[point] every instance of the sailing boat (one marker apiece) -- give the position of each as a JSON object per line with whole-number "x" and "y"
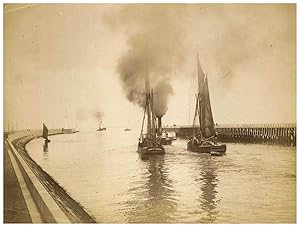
{"x": 204, "y": 138}
{"x": 100, "y": 127}
{"x": 149, "y": 143}
{"x": 45, "y": 134}
{"x": 127, "y": 129}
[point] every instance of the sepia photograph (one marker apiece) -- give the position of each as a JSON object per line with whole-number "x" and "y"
{"x": 149, "y": 113}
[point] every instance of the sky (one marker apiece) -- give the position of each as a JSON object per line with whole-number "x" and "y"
{"x": 72, "y": 65}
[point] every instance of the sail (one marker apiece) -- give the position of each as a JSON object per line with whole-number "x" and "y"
{"x": 207, "y": 122}
{"x": 45, "y": 132}
{"x": 200, "y": 87}
{"x": 200, "y": 77}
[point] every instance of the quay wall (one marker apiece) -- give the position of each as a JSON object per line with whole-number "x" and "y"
{"x": 53, "y": 202}
{"x": 284, "y": 134}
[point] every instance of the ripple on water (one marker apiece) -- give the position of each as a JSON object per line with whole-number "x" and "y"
{"x": 252, "y": 183}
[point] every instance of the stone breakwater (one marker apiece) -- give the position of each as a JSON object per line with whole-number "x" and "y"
{"x": 72, "y": 209}
{"x": 283, "y": 134}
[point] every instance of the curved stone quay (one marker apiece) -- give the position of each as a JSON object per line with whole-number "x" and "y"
{"x": 52, "y": 201}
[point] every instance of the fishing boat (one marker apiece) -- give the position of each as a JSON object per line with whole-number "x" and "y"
{"x": 45, "y": 134}
{"x": 100, "y": 127}
{"x": 149, "y": 143}
{"x": 204, "y": 138}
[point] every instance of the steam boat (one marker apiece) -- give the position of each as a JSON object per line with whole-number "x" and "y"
{"x": 162, "y": 134}
{"x": 204, "y": 138}
{"x": 149, "y": 143}
{"x": 100, "y": 127}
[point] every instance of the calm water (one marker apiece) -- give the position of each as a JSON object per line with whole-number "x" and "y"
{"x": 101, "y": 170}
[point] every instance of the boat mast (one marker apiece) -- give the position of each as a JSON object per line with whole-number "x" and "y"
{"x": 152, "y": 115}
{"x": 199, "y": 98}
{"x": 148, "y": 105}
{"x": 141, "y": 134}
{"x": 196, "y": 111}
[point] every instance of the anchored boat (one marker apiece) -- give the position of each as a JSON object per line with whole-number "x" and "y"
{"x": 204, "y": 138}
{"x": 149, "y": 143}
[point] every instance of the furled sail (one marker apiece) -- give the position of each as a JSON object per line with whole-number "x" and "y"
{"x": 151, "y": 120}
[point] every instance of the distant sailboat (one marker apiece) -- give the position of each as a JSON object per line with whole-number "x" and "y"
{"x": 204, "y": 137}
{"x": 127, "y": 129}
{"x": 45, "y": 134}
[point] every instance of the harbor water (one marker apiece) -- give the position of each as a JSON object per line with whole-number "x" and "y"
{"x": 252, "y": 183}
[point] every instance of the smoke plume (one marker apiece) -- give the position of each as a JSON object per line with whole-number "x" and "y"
{"x": 98, "y": 115}
{"x": 155, "y": 49}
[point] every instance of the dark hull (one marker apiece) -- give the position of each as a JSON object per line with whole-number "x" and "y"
{"x": 101, "y": 129}
{"x": 149, "y": 151}
{"x": 215, "y": 149}
{"x": 165, "y": 141}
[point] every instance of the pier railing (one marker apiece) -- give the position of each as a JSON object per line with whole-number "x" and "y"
{"x": 284, "y": 134}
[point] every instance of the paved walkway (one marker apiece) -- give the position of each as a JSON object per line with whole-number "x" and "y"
{"x": 15, "y": 208}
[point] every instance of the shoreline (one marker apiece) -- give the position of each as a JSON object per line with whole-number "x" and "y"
{"x": 70, "y": 207}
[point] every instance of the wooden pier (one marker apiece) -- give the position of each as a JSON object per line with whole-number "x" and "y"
{"x": 284, "y": 134}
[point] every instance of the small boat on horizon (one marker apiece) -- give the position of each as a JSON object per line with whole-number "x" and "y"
{"x": 100, "y": 127}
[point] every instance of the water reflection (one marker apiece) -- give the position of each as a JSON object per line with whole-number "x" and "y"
{"x": 45, "y": 150}
{"x": 156, "y": 203}
{"x": 208, "y": 184}
{"x": 180, "y": 187}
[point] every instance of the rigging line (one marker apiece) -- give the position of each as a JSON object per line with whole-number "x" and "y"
{"x": 143, "y": 118}
{"x": 197, "y": 103}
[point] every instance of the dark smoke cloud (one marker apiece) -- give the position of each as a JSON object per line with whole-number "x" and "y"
{"x": 238, "y": 45}
{"x": 160, "y": 98}
{"x": 155, "y": 48}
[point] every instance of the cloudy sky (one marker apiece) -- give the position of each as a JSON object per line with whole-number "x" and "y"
{"x": 72, "y": 64}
